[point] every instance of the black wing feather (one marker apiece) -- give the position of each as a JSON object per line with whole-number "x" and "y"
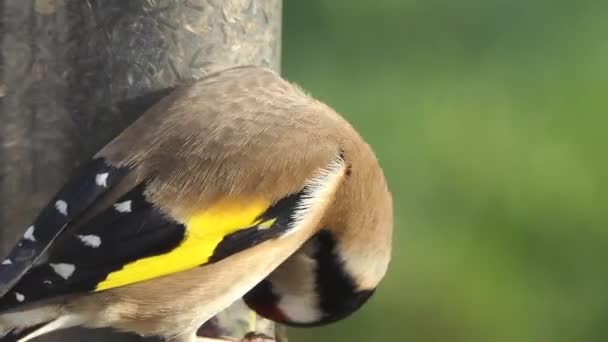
{"x": 130, "y": 230}
{"x": 96, "y": 178}
{"x": 123, "y": 236}
{"x": 281, "y": 211}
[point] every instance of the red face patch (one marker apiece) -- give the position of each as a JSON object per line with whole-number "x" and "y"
{"x": 267, "y": 309}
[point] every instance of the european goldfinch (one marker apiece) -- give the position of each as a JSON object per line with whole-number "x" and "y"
{"x": 237, "y": 185}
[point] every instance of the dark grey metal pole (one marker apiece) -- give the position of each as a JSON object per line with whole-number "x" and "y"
{"x": 74, "y": 73}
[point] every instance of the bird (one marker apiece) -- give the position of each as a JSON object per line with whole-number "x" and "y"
{"x": 236, "y": 185}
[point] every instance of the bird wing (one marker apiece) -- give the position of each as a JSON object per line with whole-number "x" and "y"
{"x": 95, "y": 179}
{"x": 133, "y": 241}
{"x": 229, "y": 180}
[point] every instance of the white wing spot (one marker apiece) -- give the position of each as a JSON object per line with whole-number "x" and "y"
{"x": 29, "y": 233}
{"x": 62, "y": 207}
{"x": 7, "y": 262}
{"x": 47, "y": 282}
{"x": 20, "y": 298}
{"x": 65, "y": 271}
{"x": 123, "y": 207}
{"x": 90, "y": 240}
{"x": 101, "y": 179}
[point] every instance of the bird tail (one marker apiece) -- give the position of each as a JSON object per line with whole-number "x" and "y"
{"x": 15, "y": 335}
{"x": 24, "y": 325}
{"x": 31, "y": 332}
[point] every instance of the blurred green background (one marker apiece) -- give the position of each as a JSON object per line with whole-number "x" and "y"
{"x": 489, "y": 119}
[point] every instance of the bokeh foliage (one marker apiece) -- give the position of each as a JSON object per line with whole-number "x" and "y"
{"x": 489, "y": 118}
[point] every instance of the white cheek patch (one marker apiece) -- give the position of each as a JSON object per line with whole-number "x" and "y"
{"x": 367, "y": 270}
{"x": 300, "y": 309}
{"x": 294, "y": 283}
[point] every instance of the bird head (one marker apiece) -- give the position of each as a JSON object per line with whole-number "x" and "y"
{"x": 339, "y": 267}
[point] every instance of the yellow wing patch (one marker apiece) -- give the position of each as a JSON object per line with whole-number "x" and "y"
{"x": 265, "y": 224}
{"x": 204, "y": 231}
